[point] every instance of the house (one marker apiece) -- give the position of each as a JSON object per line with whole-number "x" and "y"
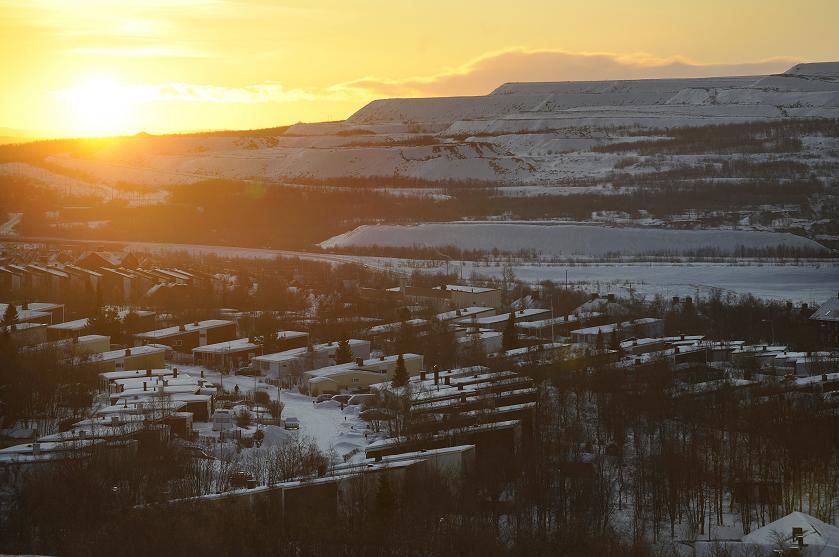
{"x": 464, "y": 313}
{"x": 607, "y": 305}
{"x": 139, "y": 357}
{"x": 499, "y": 322}
{"x": 183, "y": 338}
{"x": 56, "y": 311}
{"x": 26, "y": 334}
{"x": 360, "y": 373}
{"x": 480, "y": 341}
{"x": 26, "y": 315}
{"x": 449, "y": 295}
{"x": 827, "y": 318}
{"x": 283, "y": 365}
{"x": 227, "y": 355}
{"x": 794, "y": 534}
{"x": 558, "y": 326}
{"x": 94, "y": 260}
{"x": 644, "y": 327}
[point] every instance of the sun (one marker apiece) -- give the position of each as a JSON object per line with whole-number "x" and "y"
{"x": 98, "y": 106}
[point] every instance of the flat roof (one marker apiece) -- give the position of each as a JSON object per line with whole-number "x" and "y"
{"x": 188, "y": 327}
{"x": 463, "y": 312}
{"x": 135, "y": 351}
{"x": 236, "y": 345}
{"x": 74, "y": 325}
{"x": 466, "y": 288}
{"x": 493, "y": 319}
{"x": 609, "y": 327}
{"x": 297, "y": 352}
{"x": 366, "y": 365}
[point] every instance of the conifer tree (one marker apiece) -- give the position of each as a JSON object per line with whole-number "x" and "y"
{"x": 400, "y": 374}
{"x": 510, "y": 337}
{"x": 343, "y": 354}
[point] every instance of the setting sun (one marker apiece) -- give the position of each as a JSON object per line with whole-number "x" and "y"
{"x": 98, "y": 106}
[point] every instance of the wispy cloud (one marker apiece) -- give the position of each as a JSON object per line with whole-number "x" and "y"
{"x": 483, "y": 74}
{"x": 268, "y": 92}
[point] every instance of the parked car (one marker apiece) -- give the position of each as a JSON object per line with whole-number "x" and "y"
{"x": 291, "y": 423}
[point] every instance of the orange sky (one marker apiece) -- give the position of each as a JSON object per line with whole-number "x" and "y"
{"x": 92, "y": 67}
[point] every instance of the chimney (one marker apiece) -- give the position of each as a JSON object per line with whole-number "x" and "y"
{"x": 381, "y": 358}
{"x": 145, "y": 386}
{"x": 114, "y": 420}
{"x": 610, "y": 297}
{"x": 824, "y": 377}
{"x": 460, "y": 386}
{"x": 447, "y": 380}
{"x": 127, "y": 351}
{"x": 378, "y": 458}
{"x": 36, "y": 449}
{"x": 175, "y": 372}
{"x": 422, "y": 376}
{"x": 359, "y": 361}
{"x": 182, "y": 327}
{"x": 675, "y": 300}
{"x": 683, "y": 336}
{"x": 202, "y": 373}
{"x": 463, "y": 398}
{"x": 436, "y": 370}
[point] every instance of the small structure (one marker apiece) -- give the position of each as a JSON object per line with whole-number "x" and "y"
{"x": 183, "y": 338}
{"x": 226, "y": 355}
{"x": 361, "y": 373}
{"x": 827, "y": 317}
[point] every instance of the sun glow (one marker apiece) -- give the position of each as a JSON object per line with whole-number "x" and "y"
{"x": 99, "y": 106}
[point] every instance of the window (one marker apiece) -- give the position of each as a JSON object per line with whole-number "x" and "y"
{"x": 178, "y": 343}
{"x": 355, "y": 379}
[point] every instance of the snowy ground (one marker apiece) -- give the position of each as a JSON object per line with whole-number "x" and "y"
{"x": 341, "y": 431}
{"x": 561, "y": 239}
{"x": 811, "y": 283}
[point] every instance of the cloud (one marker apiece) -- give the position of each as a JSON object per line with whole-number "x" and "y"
{"x": 268, "y": 92}
{"x": 485, "y": 73}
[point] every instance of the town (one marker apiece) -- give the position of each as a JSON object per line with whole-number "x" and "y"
{"x": 288, "y": 389}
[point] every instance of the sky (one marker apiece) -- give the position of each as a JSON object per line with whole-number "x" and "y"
{"x": 102, "y": 67}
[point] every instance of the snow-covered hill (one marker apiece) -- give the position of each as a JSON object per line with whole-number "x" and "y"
{"x": 519, "y": 134}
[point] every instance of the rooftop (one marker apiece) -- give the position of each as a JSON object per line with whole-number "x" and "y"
{"x": 228, "y": 346}
{"x": 174, "y": 330}
{"x": 828, "y": 311}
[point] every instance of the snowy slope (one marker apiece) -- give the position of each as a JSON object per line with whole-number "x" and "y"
{"x": 563, "y": 239}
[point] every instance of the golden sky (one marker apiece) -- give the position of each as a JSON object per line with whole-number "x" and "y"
{"x": 93, "y": 67}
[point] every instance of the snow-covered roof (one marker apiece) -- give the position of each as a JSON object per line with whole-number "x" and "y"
{"x": 495, "y": 319}
{"x": 391, "y": 327}
{"x": 188, "y": 327}
{"x": 545, "y": 323}
{"x": 370, "y": 365}
{"x": 297, "y": 352}
{"x": 463, "y": 313}
{"x": 236, "y": 345}
{"x": 608, "y": 328}
{"x": 467, "y": 289}
{"x": 74, "y": 325}
{"x": 816, "y": 532}
{"x": 828, "y": 311}
{"x": 134, "y": 351}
